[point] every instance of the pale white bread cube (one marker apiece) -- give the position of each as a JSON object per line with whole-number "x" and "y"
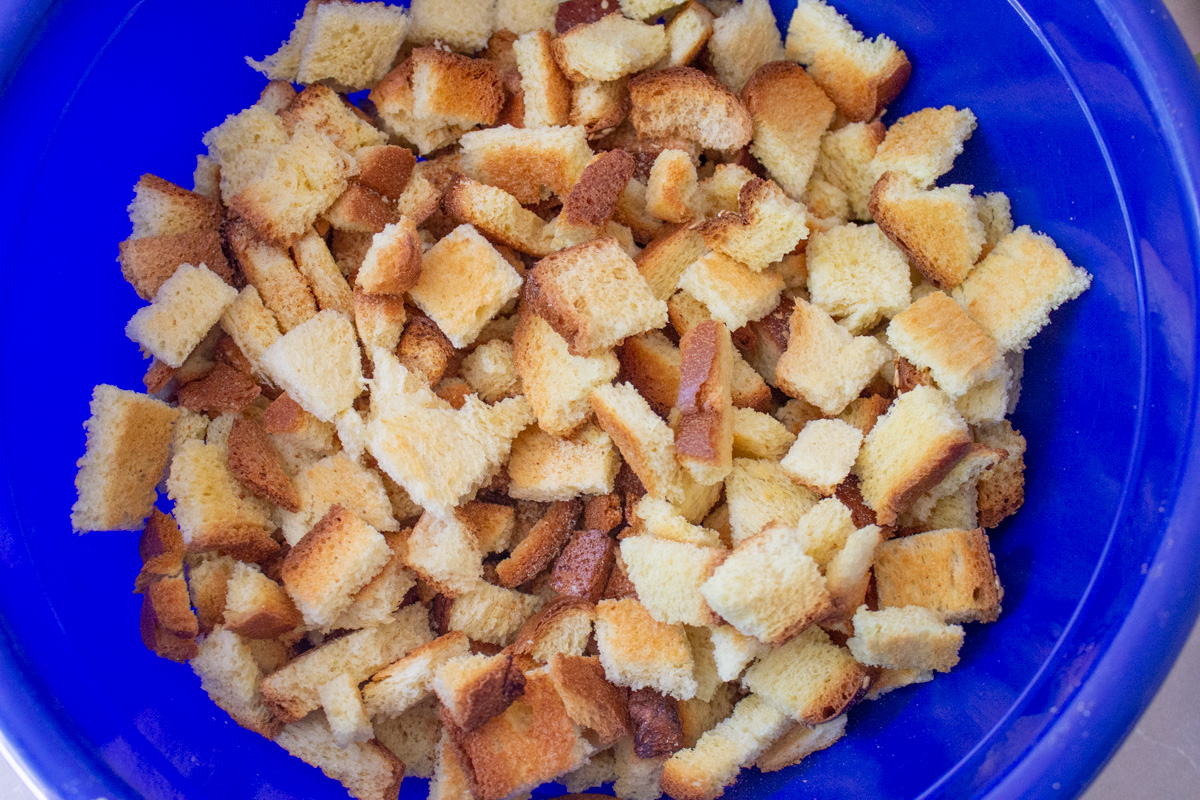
{"x": 378, "y": 600}
{"x": 672, "y": 190}
{"x": 281, "y": 65}
{"x": 760, "y": 492}
{"x": 823, "y": 454}
{"x": 767, "y": 226}
{"x": 848, "y": 574}
{"x": 845, "y": 162}
{"x": 924, "y": 144}
{"x": 824, "y": 530}
{"x": 230, "y": 676}
{"x": 413, "y": 737}
{"x": 252, "y": 327}
{"x": 743, "y": 39}
{"x": 337, "y": 480}
{"x": 609, "y": 48}
{"x": 668, "y": 576}
{"x": 810, "y": 678}
{"x": 242, "y": 145}
{"x": 599, "y": 106}
{"x": 523, "y": 16}
{"x": 857, "y": 275}
{"x": 950, "y": 571}
{"x": 395, "y": 689}
{"x": 644, "y": 440}
{"x": 889, "y": 680}
{"x": 733, "y": 651}
{"x": 368, "y": 770}
{"x": 445, "y": 552}
{"x": 491, "y": 371}
{"x": 557, "y": 383}
{"x": 647, "y": 9}
{"x": 318, "y": 364}
{"x": 936, "y": 334}
{"x": 905, "y": 637}
{"x": 705, "y": 670}
{"x": 759, "y": 435}
{"x": 640, "y": 652}
{"x": 343, "y": 707}
{"x": 722, "y": 187}
{"x": 352, "y": 45}
{"x": 731, "y": 292}
{"x": 660, "y": 519}
{"x": 687, "y": 33}
{"x": 790, "y": 113}
{"x": 463, "y": 26}
{"x": 184, "y": 310}
{"x": 995, "y": 212}
{"x": 547, "y": 468}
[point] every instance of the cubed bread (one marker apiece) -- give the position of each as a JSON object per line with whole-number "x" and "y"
{"x": 939, "y": 229}
{"x": 497, "y": 214}
{"x": 599, "y": 106}
{"x": 160, "y": 208}
{"x": 823, "y": 454}
{"x": 368, "y": 770}
{"x": 588, "y": 209}
{"x": 663, "y": 262}
{"x": 385, "y": 169}
{"x": 583, "y": 567}
{"x": 668, "y": 575}
{"x": 861, "y": 76}
{"x": 936, "y": 334}
{"x": 563, "y": 625}
{"x": 379, "y": 320}
{"x": 593, "y": 295}
{"x": 337, "y": 480}
{"x": 639, "y": 652}
{"x": 491, "y": 614}
{"x": 147, "y": 262}
{"x": 208, "y": 581}
{"x": 465, "y": 27}
{"x": 491, "y": 371}
{"x": 591, "y": 701}
{"x": 810, "y": 678}
{"x": 759, "y": 435}
{"x": 394, "y": 102}
{"x": 824, "y": 363}
{"x": 458, "y": 91}
{"x": 704, "y": 771}
{"x": 924, "y": 144}
{"x": 662, "y": 520}
{"x": 411, "y": 430}
{"x": 255, "y": 462}
{"x": 413, "y": 737}
{"x": 129, "y": 439}
{"x": 326, "y": 384}
{"x": 609, "y": 48}
{"x": 343, "y": 707}
{"x": 548, "y": 468}
{"x": 730, "y": 291}
{"x": 160, "y": 547}
{"x": 464, "y": 282}
{"x": 168, "y": 625}
{"x": 528, "y": 163}
{"x": 684, "y": 103}
{"x": 744, "y": 38}
{"x": 425, "y": 351}
{"x": 446, "y": 553}
{"x": 547, "y": 93}
{"x": 800, "y": 742}
{"x": 760, "y": 492}
{"x": 557, "y": 383}
{"x": 398, "y": 687}
{"x": 321, "y": 108}
{"x": 909, "y": 451}
{"x": 857, "y": 275}
{"x": 995, "y": 213}
{"x": 687, "y": 33}
{"x": 672, "y": 191}
{"x": 824, "y": 529}
{"x": 1001, "y": 489}
{"x": 950, "y": 571}
{"x": 733, "y": 651}
{"x": 252, "y": 327}
{"x": 317, "y": 265}
{"x": 230, "y": 677}
{"x": 475, "y": 688}
{"x": 1013, "y": 290}
{"x": 721, "y": 188}
{"x": 393, "y": 263}
{"x": 269, "y": 269}
{"x": 242, "y": 145}
{"x": 495, "y": 524}
{"x": 257, "y": 607}
{"x": 523, "y": 16}
{"x": 848, "y": 574}
{"x": 185, "y": 308}
{"x": 449, "y": 780}
{"x": 652, "y": 365}
{"x": 541, "y": 545}
{"x": 905, "y": 637}
{"x": 790, "y": 113}
{"x": 704, "y": 432}
{"x": 645, "y": 441}
{"x": 378, "y": 600}
{"x": 349, "y": 45}
{"x": 845, "y": 161}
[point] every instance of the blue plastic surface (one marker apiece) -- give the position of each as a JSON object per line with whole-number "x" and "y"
{"x": 1087, "y": 119}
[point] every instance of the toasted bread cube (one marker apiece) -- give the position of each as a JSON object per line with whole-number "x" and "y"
{"x": 747, "y": 387}
{"x": 654, "y": 719}
{"x": 697, "y": 717}
{"x": 845, "y": 162}
{"x": 939, "y": 229}
{"x": 523, "y": 16}
{"x": 721, "y": 189}
{"x": 760, "y": 492}
{"x": 495, "y": 524}
{"x": 551, "y": 159}
{"x": 316, "y": 264}
{"x": 810, "y": 678}
{"x": 924, "y": 144}
{"x": 326, "y": 385}
{"x": 1002, "y": 489}
{"x": 703, "y": 772}
{"x": 950, "y": 571}
{"x": 645, "y": 441}
{"x": 685, "y": 103}
{"x": 147, "y": 262}
{"x": 639, "y": 652}
{"x": 541, "y": 545}
{"x": 856, "y": 274}
{"x": 594, "y": 296}
{"x": 230, "y": 677}
{"x": 385, "y": 169}
{"x": 547, "y": 94}
{"x": 413, "y": 737}
{"x": 935, "y": 333}
{"x": 323, "y": 109}
{"x": 378, "y": 600}
{"x": 449, "y": 780}
{"x": 475, "y": 688}
{"x": 393, "y": 263}
{"x": 242, "y": 145}
{"x": 672, "y": 191}
{"x": 270, "y": 270}
{"x": 343, "y": 706}
{"x": 548, "y": 468}
{"x": 556, "y": 382}
{"x": 665, "y": 259}
{"x": 758, "y": 435}
{"x": 910, "y": 450}
{"x": 379, "y": 320}
{"x": 129, "y": 439}
{"x": 587, "y": 211}
{"x": 824, "y": 530}
{"x": 861, "y": 76}
{"x": 687, "y": 33}
{"x": 636, "y": 778}
{"x": 995, "y": 213}
{"x": 350, "y": 45}
{"x": 790, "y": 113}
{"x": 491, "y": 371}
{"x": 257, "y": 607}
{"x": 733, "y": 651}
{"x": 800, "y": 742}
{"x": 583, "y": 567}
{"x": 591, "y": 701}
{"x": 731, "y": 292}
{"x": 206, "y": 178}
{"x": 464, "y": 282}
{"x": 168, "y": 625}
{"x": 458, "y": 91}
{"x": 394, "y": 102}
{"x": 532, "y": 742}
{"x": 662, "y": 520}
{"x": 446, "y": 553}
{"x": 255, "y": 462}
{"x": 185, "y": 308}
{"x": 498, "y": 214}
{"x": 652, "y": 365}
{"x": 338, "y": 480}
{"x": 160, "y": 208}
{"x": 411, "y": 429}
{"x": 744, "y": 38}
{"x": 208, "y": 581}
{"x": 368, "y": 770}
{"x": 609, "y": 48}
{"x": 252, "y": 327}
{"x": 563, "y": 625}
{"x": 425, "y": 351}
{"x": 907, "y": 637}
{"x": 465, "y": 27}
{"x": 161, "y": 549}
{"x": 823, "y": 454}
{"x": 668, "y": 575}
{"x": 888, "y": 680}
{"x": 491, "y": 614}
{"x": 1013, "y": 290}
{"x": 395, "y": 689}
{"x": 599, "y": 106}
{"x": 631, "y": 211}
{"x": 704, "y": 434}
{"x": 824, "y": 364}
{"x": 848, "y": 573}
{"x": 292, "y": 691}
{"x": 213, "y": 509}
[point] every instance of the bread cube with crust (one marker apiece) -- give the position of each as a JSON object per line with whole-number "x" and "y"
{"x": 799, "y": 742}
{"x": 548, "y": 468}
{"x": 609, "y": 48}
{"x": 128, "y": 444}
{"x": 905, "y": 637}
{"x": 759, "y": 435}
{"x": 645, "y": 441}
{"x": 251, "y": 326}
{"x": 790, "y": 114}
{"x": 498, "y": 215}
{"x": 591, "y": 701}
{"x": 168, "y": 625}
{"x": 704, "y": 433}
{"x": 317, "y": 265}
{"x": 398, "y": 687}
{"x": 909, "y": 451}
{"x": 393, "y": 262}
{"x": 242, "y": 145}
{"x": 413, "y": 737}
{"x": 995, "y": 213}
{"x": 924, "y": 144}
{"x": 491, "y": 371}
{"x": 378, "y": 600}
{"x": 465, "y": 27}
{"x": 848, "y": 574}
{"x": 385, "y": 169}
{"x": 861, "y": 76}
{"x": 529, "y": 163}
{"x": 457, "y": 91}
{"x": 270, "y": 270}
{"x": 343, "y": 707}
{"x": 541, "y": 545}
{"x": 147, "y": 262}
{"x": 368, "y": 770}
{"x": 583, "y": 567}
{"x": 324, "y": 385}
{"x": 760, "y": 492}
{"x": 640, "y": 652}
{"x": 475, "y": 688}
{"x": 845, "y": 161}
{"x": 557, "y": 383}
{"x": 588, "y": 209}
{"x": 491, "y": 614}
{"x": 1002, "y": 488}
{"x": 320, "y": 108}
{"x": 593, "y": 295}
{"x": 464, "y": 282}
{"x": 825, "y": 364}
{"x": 823, "y": 454}
{"x": 663, "y": 261}
{"x": 936, "y": 334}
{"x": 394, "y": 102}
{"x": 446, "y": 553}
{"x": 950, "y": 571}
{"x": 660, "y": 519}
{"x": 599, "y": 106}
{"x": 349, "y": 45}
{"x": 185, "y": 308}
{"x": 546, "y": 92}
{"x": 733, "y": 651}
{"x": 563, "y": 625}
{"x": 230, "y": 677}
{"x": 668, "y": 575}
{"x": 810, "y": 678}
{"x": 857, "y": 275}
{"x": 523, "y": 16}
{"x": 684, "y": 103}
{"x": 160, "y": 208}
{"x": 687, "y": 33}
{"x": 939, "y": 229}
{"x": 730, "y": 291}
{"x": 652, "y": 365}
{"x": 744, "y": 38}
{"x": 1013, "y": 290}
{"x": 257, "y": 607}
{"x": 338, "y": 480}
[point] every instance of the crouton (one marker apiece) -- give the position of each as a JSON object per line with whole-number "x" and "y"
{"x": 583, "y": 567}
{"x": 456, "y": 90}
{"x": 721, "y": 189}
{"x": 823, "y": 454}
{"x": 548, "y": 468}
{"x": 497, "y": 214}
{"x": 995, "y": 213}
{"x": 662, "y": 520}
{"x": 168, "y": 625}
{"x": 668, "y": 575}
{"x": 950, "y": 571}
{"x": 790, "y": 113}
{"x": 425, "y": 351}
{"x": 744, "y": 38}
{"x": 523, "y": 16}
{"x": 861, "y": 76}
{"x": 547, "y": 94}
{"x": 563, "y": 625}
{"x": 316, "y": 264}
{"x": 292, "y": 691}
{"x": 600, "y": 769}
{"x": 128, "y": 443}
{"x": 541, "y": 546}
{"x": 475, "y": 688}
{"x": 609, "y": 48}
{"x": 269, "y": 269}
{"x": 338, "y": 480}
{"x": 379, "y": 320}
{"x": 256, "y": 464}
{"x": 845, "y": 162}
{"x": 528, "y": 163}
{"x": 230, "y": 677}
{"x": 242, "y": 145}
{"x": 378, "y": 600}
{"x": 767, "y": 226}
{"x": 394, "y": 102}
{"x": 1013, "y": 290}
{"x": 687, "y": 33}
{"x": 385, "y": 169}
{"x": 321, "y": 108}
{"x": 599, "y": 106}
{"x": 672, "y": 191}
{"x": 639, "y": 652}
{"x": 556, "y": 382}
{"x": 464, "y": 26}
{"x": 824, "y": 364}
{"x": 908, "y": 637}
{"x": 251, "y": 326}
{"x": 413, "y": 737}
{"x": 185, "y": 308}
{"x": 758, "y": 435}
{"x": 760, "y": 492}
{"x": 989, "y": 401}
{"x": 810, "y": 678}
{"x": 704, "y": 435}
{"x": 590, "y": 700}
{"x": 702, "y": 772}
{"x": 322, "y": 387}
{"x": 348, "y": 45}
{"x": 935, "y": 333}
{"x": 731, "y": 293}
{"x": 848, "y": 573}
{"x": 909, "y": 451}
{"x": 208, "y": 583}
{"x": 446, "y": 553}
{"x": 368, "y": 770}
{"x": 856, "y": 274}
{"x": 924, "y": 144}
{"x": 160, "y": 547}
{"x": 652, "y": 365}
{"x": 147, "y": 262}
{"x": 491, "y": 614}
{"x": 398, "y": 687}
{"x": 343, "y": 707}
{"x": 1002, "y": 489}
{"x": 697, "y": 717}
{"x": 733, "y": 651}
{"x": 799, "y": 742}
{"x": 449, "y": 775}
{"x": 684, "y": 103}
{"x": 360, "y": 210}
{"x": 645, "y": 441}
{"x": 654, "y": 719}
{"x": 587, "y": 211}
{"x": 206, "y": 178}
{"x": 636, "y": 778}
{"x": 160, "y": 208}
{"x": 666, "y": 258}
{"x": 603, "y": 512}
{"x": 491, "y": 371}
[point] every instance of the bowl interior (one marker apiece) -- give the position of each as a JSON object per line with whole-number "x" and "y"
{"x": 121, "y": 89}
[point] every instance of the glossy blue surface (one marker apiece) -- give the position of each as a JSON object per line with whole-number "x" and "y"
{"x": 1087, "y": 119}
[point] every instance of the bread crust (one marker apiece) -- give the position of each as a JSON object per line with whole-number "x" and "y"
{"x": 255, "y": 462}
{"x": 223, "y": 390}
{"x": 385, "y": 168}
{"x": 583, "y": 566}
{"x": 593, "y": 199}
{"x": 488, "y": 694}
{"x": 543, "y": 544}
{"x": 704, "y": 436}
{"x": 654, "y": 718}
{"x": 590, "y": 700}
{"x": 147, "y": 262}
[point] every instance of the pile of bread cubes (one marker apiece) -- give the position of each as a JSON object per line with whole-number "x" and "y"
{"x": 643, "y": 427}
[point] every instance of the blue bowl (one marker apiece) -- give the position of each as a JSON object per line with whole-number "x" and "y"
{"x": 1087, "y": 119}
